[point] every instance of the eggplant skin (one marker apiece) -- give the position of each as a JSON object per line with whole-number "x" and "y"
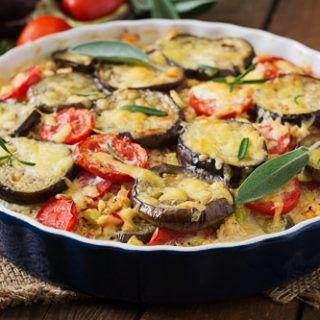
{"x": 78, "y": 67}
{"x": 201, "y": 73}
{"x": 310, "y": 170}
{"x": 32, "y": 120}
{"x": 24, "y": 198}
{"x": 181, "y": 219}
{"x": 143, "y": 234}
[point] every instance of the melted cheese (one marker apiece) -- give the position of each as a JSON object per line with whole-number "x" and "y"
{"x": 191, "y": 51}
{"x": 279, "y": 95}
{"x": 221, "y": 139}
{"x": 314, "y": 158}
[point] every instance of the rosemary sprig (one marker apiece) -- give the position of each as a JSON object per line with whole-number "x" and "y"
{"x": 10, "y": 156}
{"x": 146, "y": 110}
{"x": 243, "y": 148}
{"x": 111, "y": 151}
{"x": 297, "y": 97}
{"x": 239, "y": 79}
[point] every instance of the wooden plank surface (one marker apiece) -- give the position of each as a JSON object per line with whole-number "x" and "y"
{"x": 253, "y": 308}
{"x": 310, "y": 313}
{"x": 35, "y": 312}
{"x": 298, "y": 20}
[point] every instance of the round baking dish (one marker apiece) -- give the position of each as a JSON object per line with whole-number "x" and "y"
{"x": 159, "y": 273}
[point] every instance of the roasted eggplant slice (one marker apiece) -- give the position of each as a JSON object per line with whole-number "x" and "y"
{"x": 213, "y": 145}
{"x": 114, "y": 76}
{"x": 17, "y": 119}
{"x": 292, "y": 98}
{"x": 187, "y": 202}
{"x": 313, "y": 167}
{"x": 77, "y": 62}
{"x": 150, "y": 131}
{"x": 25, "y": 184}
{"x": 225, "y": 56}
{"x": 63, "y": 91}
{"x": 142, "y": 232}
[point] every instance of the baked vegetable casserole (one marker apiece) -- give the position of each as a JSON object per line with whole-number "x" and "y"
{"x": 165, "y": 143}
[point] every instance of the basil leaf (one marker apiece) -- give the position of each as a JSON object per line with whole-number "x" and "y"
{"x": 183, "y": 6}
{"x": 112, "y": 50}
{"x": 163, "y": 9}
{"x": 271, "y": 175}
{"x": 243, "y": 148}
{"x": 113, "y": 153}
{"x": 146, "y": 110}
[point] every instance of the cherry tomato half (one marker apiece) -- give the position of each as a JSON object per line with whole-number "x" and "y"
{"x": 85, "y": 10}
{"x": 288, "y": 197}
{"x": 216, "y": 99}
{"x": 21, "y": 83}
{"x": 42, "y": 26}
{"x": 76, "y": 122}
{"x": 101, "y": 185}
{"x": 58, "y": 213}
{"x": 131, "y": 153}
{"x": 276, "y": 135}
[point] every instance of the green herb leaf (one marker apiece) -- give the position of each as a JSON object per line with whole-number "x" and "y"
{"x": 86, "y": 94}
{"x": 206, "y": 66}
{"x": 271, "y": 175}
{"x": 253, "y": 81}
{"x": 243, "y": 147}
{"x": 27, "y": 163}
{"x": 3, "y": 146}
{"x": 244, "y": 73}
{"x": 113, "y": 153}
{"x": 6, "y": 157}
{"x": 146, "y": 110}
{"x": 219, "y": 80}
{"x": 114, "y": 51}
{"x": 183, "y": 6}
{"x": 163, "y": 9}
{"x": 297, "y": 97}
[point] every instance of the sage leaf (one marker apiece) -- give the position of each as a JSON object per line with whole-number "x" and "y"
{"x": 113, "y": 51}
{"x": 271, "y": 175}
{"x": 163, "y": 9}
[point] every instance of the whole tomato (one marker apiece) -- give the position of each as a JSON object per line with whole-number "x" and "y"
{"x": 85, "y": 10}
{"x": 42, "y": 26}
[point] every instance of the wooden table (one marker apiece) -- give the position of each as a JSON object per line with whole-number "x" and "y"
{"x": 297, "y": 19}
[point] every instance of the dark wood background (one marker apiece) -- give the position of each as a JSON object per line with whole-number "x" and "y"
{"x": 297, "y": 19}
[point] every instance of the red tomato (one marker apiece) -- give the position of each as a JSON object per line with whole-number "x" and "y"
{"x": 131, "y": 153}
{"x": 276, "y": 135}
{"x": 79, "y": 120}
{"x": 289, "y": 197}
{"x": 21, "y": 84}
{"x": 87, "y": 179}
{"x": 270, "y": 67}
{"x": 85, "y": 10}
{"x": 215, "y": 99}
{"x": 42, "y": 26}
{"x": 58, "y": 213}
{"x": 166, "y": 236}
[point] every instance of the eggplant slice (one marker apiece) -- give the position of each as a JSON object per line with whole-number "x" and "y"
{"x": 142, "y": 232}
{"x": 63, "y": 91}
{"x": 211, "y": 144}
{"x": 25, "y": 184}
{"x": 77, "y": 62}
{"x": 114, "y": 76}
{"x": 187, "y": 202}
{"x": 149, "y": 131}
{"x": 229, "y": 56}
{"x": 292, "y": 98}
{"x": 17, "y": 119}
{"x": 313, "y": 166}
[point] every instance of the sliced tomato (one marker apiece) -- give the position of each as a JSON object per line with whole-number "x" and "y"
{"x": 288, "y": 198}
{"x": 216, "y": 99}
{"x": 21, "y": 83}
{"x": 277, "y": 137}
{"x": 130, "y": 153}
{"x": 58, "y": 213}
{"x": 77, "y": 123}
{"x": 42, "y": 26}
{"x": 101, "y": 185}
{"x": 270, "y": 67}
{"x": 166, "y": 236}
